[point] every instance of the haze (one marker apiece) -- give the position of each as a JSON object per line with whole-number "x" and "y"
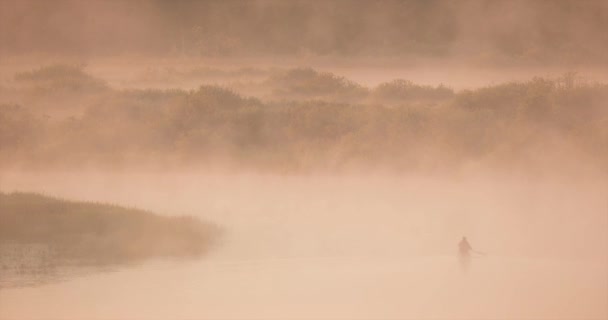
{"x": 335, "y": 153}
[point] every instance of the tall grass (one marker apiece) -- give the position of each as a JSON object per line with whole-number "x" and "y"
{"x": 99, "y": 233}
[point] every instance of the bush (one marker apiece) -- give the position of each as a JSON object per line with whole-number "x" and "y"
{"x": 414, "y": 125}
{"x": 404, "y": 90}
{"x": 310, "y": 84}
{"x": 62, "y": 78}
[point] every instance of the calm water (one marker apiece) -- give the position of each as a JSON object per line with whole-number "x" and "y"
{"x": 341, "y": 247}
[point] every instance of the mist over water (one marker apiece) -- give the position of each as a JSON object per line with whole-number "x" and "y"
{"x": 303, "y": 160}
{"x": 345, "y": 247}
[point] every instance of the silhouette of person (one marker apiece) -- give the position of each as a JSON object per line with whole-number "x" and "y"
{"x": 464, "y": 252}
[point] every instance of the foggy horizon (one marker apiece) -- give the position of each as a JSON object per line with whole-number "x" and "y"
{"x": 489, "y": 32}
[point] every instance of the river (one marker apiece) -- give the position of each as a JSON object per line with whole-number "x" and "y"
{"x": 341, "y": 247}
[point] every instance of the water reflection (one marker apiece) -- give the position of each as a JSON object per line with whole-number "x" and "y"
{"x": 33, "y": 264}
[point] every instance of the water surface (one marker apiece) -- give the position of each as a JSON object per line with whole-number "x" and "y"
{"x": 341, "y": 247}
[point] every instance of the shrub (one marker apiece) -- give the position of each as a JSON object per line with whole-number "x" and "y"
{"x": 405, "y": 90}
{"x": 63, "y": 78}
{"x": 308, "y": 83}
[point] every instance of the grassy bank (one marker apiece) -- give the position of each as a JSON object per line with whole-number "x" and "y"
{"x": 98, "y": 233}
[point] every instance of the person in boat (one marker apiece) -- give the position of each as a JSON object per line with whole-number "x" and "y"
{"x": 464, "y": 252}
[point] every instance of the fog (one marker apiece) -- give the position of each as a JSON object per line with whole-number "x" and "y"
{"x": 487, "y": 32}
{"x": 303, "y": 160}
{"x": 345, "y": 247}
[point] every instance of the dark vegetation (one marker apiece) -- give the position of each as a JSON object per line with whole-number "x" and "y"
{"x": 44, "y": 239}
{"x": 99, "y": 233}
{"x": 308, "y": 83}
{"x": 404, "y": 90}
{"x": 173, "y": 74}
{"x": 311, "y": 121}
{"x": 62, "y": 78}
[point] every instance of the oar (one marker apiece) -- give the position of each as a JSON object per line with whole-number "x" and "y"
{"x": 479, "y": 252}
